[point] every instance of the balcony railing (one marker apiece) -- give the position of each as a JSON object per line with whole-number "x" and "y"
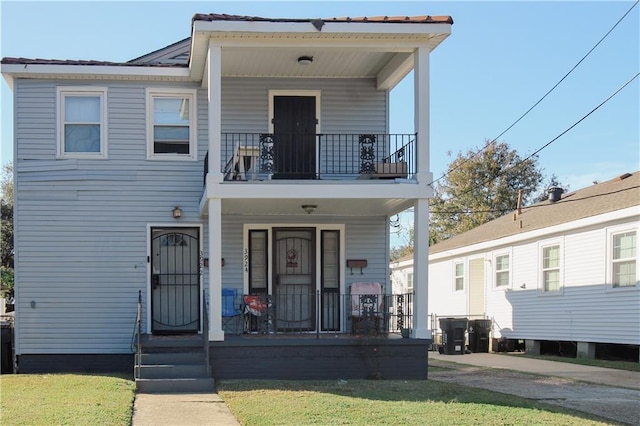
{"x": 265, "y": 156}
{"x": 309, "y": 312}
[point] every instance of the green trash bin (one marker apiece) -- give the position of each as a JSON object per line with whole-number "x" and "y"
{"x": 453, "y": 335}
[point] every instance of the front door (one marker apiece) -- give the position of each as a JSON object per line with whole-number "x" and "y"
{"x": 175, "y": 280}
{"x": 294, "y": 130}
{"x": 294, "y": 279}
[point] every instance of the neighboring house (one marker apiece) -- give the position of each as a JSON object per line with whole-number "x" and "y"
{"x": 558, "y": 271}
{"x": 288, "y": 122}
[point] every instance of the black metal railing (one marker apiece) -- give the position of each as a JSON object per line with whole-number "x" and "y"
{"x": 138, "y": 334}
{"x": 264, "y": 156}
{"x": 322, "y": 312}
{"x": 205, "y": 331}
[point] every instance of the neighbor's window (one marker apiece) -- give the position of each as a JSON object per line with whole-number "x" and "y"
{"x": 410, "y": 282}
{"x": 502, "y": 270}
{"x": 81, "y": 113}
{"x": 551, "y": 268}
{"x": 624, "y": 259}
{"x": 171, "y": 124}
{"x": 459, "y": 268}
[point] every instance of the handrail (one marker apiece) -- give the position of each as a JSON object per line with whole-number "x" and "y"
{"x": 138, "y": 333}
{"x": 205, "y": 331}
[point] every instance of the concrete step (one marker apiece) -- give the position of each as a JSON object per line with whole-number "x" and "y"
{"x": 171, "y": 371}
{"x": 172, "y": 358}
{"x": 191, "y": 385}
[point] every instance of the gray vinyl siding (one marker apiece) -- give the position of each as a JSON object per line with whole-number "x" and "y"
{"x": 81, "y": 225}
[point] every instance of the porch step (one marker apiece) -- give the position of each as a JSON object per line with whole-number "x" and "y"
{"x": 193, "y": 385}
{"x": 169, "y": 371}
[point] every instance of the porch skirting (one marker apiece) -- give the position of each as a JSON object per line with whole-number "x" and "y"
{"x": 75, "y": 363}
{"x": 319, "y": 359}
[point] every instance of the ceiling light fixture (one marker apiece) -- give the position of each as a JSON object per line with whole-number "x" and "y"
{"x": 305, "y": 60}
{"x": 309, "y": 208}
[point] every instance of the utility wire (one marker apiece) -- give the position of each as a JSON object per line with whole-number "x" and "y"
{"x": 539, "y": 100}
{"x": 569, "y": 200}
{"x": 552, "y": 140}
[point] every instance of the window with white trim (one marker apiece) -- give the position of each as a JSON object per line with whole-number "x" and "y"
{"x": 551, "y": 268}
{"x": 171, "y": 124}
{"x": 410, "y": 282}
{"x": 459, "y": 276}
{"x": 623, "y": 259}
{"x": 82, "y": 122}
{"x": 502, "y": 270}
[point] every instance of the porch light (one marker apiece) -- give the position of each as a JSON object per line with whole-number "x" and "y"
{"x": 305, "y": 60}
{"x": 309, "y": 208}
{"x": 177, "y": 212}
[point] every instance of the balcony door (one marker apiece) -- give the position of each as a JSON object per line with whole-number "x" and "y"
{"x": 294, "y": 137}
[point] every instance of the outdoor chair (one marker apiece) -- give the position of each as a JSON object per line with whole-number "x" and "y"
{"x": 367, "y": 308}
{"x": 231, "y": 311}
{"x": 258, "y": 314}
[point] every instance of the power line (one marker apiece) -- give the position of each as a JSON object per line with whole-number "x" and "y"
{"x": 552, "y": 140}
{"x": 536, "y": 205}
{"x": 539, "y": 100}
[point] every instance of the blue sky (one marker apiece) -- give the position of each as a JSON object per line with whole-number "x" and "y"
{"x": 499, "y": 60}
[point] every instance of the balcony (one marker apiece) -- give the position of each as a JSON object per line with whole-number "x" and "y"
{"x": 265, "y": 156}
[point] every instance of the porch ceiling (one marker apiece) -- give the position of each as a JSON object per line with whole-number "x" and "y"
{"x": 325, "y": 207}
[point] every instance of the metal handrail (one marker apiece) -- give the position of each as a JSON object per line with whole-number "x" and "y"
{"x": 205, "y": 331}
{"x": 138, "y": 333}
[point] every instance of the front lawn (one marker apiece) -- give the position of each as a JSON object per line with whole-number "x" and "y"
{"x": 385, "y": 402}
{"x": 65, "y": 399}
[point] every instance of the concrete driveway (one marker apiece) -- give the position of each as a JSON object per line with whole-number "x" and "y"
{"x": 611, "y": 394}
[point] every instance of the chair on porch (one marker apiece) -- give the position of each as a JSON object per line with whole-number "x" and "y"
{"x": 258, "y": 315}
{"x": 367, "y": 308}
{"x": 242, "y": 162}
{"x": 231, "y": 311}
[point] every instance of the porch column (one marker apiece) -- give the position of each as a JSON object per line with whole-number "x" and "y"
{"x": 421, "y": 113}
{"x": 215, "y": 270}
{"x": 420, "y": 269}
{"x": 214, "y": 85}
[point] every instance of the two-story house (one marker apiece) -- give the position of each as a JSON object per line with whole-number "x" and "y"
{"x": 253, "y": 156}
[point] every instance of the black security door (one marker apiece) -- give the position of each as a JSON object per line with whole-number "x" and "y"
{"x": 294, "y": 128}
{"x": 175, "y": 280}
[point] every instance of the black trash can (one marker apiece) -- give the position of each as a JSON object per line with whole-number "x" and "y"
{"x": 479, "y": 335}
{"x": 453, "y": 331}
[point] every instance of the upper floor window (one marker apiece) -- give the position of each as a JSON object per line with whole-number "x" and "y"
{"x": 82, "y": 122}
{"x": 171, "y": 124}
{"x": 459, "y": 278}
{"x": 551, "y": 268}
{"x": 624, "y": 259}
{"x": 502, "y": 270}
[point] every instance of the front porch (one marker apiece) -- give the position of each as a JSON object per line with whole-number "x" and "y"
{"x": 305, "y": 357}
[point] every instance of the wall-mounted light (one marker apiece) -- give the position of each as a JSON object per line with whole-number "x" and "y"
{"x": 177, "y": 212}
{"x": 305, "y": 60}
{"x": 309, "y": 208}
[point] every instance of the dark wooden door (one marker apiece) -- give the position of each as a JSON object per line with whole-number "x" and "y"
{"x": 294, "y": 128}
{"x": 175, "y": 280}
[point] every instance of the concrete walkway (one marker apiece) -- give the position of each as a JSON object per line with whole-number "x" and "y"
{"x": 181, "y": 409}
{"x": 598, "y": 375}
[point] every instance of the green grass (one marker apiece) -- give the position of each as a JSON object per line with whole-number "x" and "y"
{"x": 65, "y": 399}
{"x": 387, "y": 402}
{"x": 618, "y": 365}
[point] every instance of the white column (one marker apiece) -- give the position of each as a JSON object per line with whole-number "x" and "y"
{"x": 215, "y": 270}
{"x": 421, "y": 113}
{"x": 214, "y": 85}
{"x": 420, "y": 269}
